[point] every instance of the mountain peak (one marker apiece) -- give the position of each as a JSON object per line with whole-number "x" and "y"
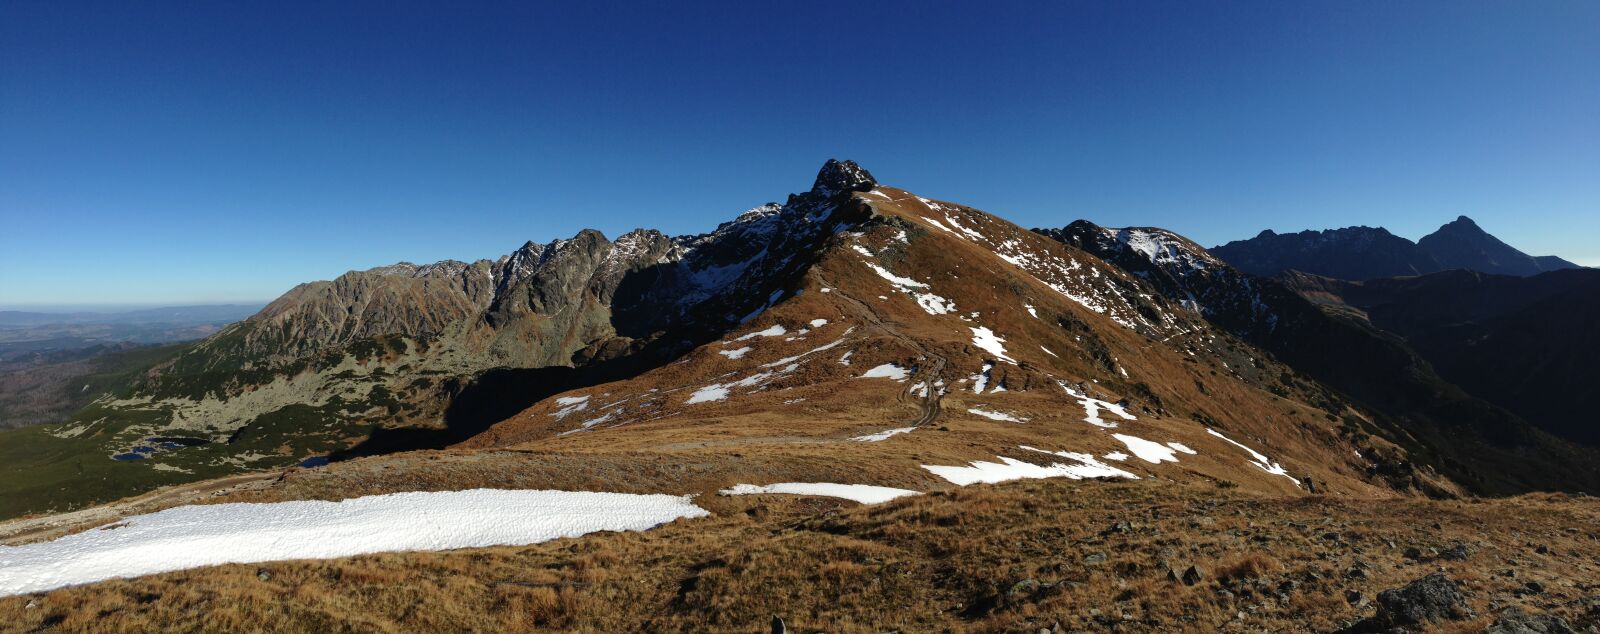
{"x": 1462, "y": 223}
{"x": 838, "y": 176}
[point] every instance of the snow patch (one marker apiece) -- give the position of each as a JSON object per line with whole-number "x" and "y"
{"x": 212, "y": 534}
{"x": 1082, "y": 466}
{"x": 981, "y": 379}
{"x": 993, "y": 415}
{"x": 930, "y": 303}
{"x": 984, "y": 338}
{"x": 734, "y": 354}
{"x": 886, "y": 371}
{"x": 1257, "y": 459}
{"x": 1092, "y": 406}
{"x": 707, "y": 394}
{"x": 863, "y": 493}
{"x": 776, "y": 330}
{"x": 570, "y": 405}
{"x": 1151, "y": 452}
{"x": 884, "y": 435}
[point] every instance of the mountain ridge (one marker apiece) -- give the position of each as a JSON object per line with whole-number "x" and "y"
{"x": 1361, "y": 253}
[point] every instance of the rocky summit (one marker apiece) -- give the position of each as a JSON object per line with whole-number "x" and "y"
{"x": 908, "y": 413}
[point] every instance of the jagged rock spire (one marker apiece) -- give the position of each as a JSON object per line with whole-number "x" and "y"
{"x": 839, "y": 176}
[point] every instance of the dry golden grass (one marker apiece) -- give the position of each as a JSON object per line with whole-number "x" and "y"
{"x": 1087, "y": 555}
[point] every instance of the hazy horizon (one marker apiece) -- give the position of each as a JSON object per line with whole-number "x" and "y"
{"x": 165, "y": 155}
{"x": 118, "y": 308}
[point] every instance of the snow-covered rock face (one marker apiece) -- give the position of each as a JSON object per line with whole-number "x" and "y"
{"x": 1182, "y": 271}
{"x": 1098, "y": 288}
{"x": 206, "y": 535}
{"x": 1164, "y": 249}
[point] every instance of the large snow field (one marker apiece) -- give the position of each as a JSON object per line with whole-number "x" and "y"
{"x": 205, "y": 535}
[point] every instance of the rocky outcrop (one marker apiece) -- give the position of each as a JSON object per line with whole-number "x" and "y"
{"x": 845, "y": 176}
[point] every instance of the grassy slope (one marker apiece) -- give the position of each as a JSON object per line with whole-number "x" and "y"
{"x": 40, "y": 472}
{"x": 1012, "y": 557}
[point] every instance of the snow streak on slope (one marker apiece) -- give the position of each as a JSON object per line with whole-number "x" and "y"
{"x": 1258, "y": 460}
{"x": 1092, "y": 407}
{"x": 930, "y": 303}
{"x": 993, "y": 415}
{"x": 863, "y": 493}
{"x": 884, "y": 435}
{"x": 205, "y": 535}
{"x": 1083, "y": 466}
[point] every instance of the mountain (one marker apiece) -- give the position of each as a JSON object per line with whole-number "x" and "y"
{"x": 406, "y": 356}
{"x": 1354, "y": 253}
{"x": 1526, "y": 344}
{"x": 907, "y": 413}
{"x": 1461, "y": 244}
{"x": 1362, "y": 253}
{"x": 1396, "y": 391}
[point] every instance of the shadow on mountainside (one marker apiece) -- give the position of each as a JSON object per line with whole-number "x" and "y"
{"x": 492, "y": 397}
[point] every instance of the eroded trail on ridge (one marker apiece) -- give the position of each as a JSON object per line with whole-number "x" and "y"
{"x": 931, "y": 402}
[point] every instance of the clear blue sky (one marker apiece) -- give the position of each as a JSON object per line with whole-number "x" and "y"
{"x": 172, "y": 152}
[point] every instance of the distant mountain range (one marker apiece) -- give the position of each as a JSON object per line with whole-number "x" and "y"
{"x": 1364, "y": 253}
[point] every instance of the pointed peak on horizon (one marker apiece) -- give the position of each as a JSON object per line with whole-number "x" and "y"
{"x": 838, "y": 176}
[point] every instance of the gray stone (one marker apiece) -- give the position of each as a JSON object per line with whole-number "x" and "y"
{"x": 1515, "y": 621}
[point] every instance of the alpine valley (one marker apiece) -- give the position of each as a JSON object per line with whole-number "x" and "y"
{"x": 858, "y": 410}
